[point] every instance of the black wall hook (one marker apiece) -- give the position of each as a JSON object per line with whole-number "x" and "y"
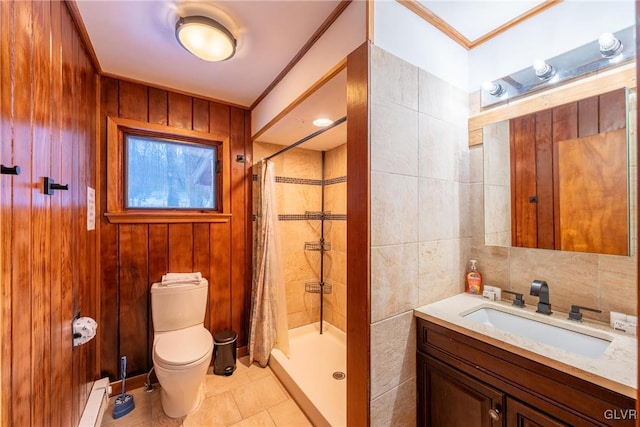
{"x": 6, "y": 170}
{"x": 50, "y": 185}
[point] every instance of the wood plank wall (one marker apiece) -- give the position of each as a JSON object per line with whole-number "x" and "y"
{"x": 133, "y": 256}
{"x": 48, "y": 110}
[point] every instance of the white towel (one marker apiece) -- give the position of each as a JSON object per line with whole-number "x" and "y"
{"x": 179, "y": 282}
{"x": 182, "y": 276}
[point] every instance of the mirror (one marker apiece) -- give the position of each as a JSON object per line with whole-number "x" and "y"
{"x": 559, "y": 178}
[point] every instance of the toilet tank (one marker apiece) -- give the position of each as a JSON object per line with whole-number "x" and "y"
{"x": 178, "y": 306}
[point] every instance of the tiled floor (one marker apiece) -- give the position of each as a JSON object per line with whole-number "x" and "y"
{"x": 251, "y": 397}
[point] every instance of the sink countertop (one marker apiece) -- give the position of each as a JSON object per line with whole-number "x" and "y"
{"x": 616, "y": 369}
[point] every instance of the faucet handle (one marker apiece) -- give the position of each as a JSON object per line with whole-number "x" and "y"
{"x": 518, "y": 301}
{"x": 575, "y": 314}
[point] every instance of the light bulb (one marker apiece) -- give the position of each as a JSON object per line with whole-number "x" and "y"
{"x": 610, "y": 46}
{"x": 493, "y": 88}
{"x": 543, "y": 70}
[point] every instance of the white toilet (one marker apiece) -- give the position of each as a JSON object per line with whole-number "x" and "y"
{"x": 182, "y": 347}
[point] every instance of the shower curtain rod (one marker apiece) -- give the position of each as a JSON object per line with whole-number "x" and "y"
{"x": 308, "y": 137}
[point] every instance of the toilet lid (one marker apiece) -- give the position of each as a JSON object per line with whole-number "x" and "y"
{"x": 184, "y": 346}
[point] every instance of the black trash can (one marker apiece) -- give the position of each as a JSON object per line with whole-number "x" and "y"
{"x": 224, "y": 352}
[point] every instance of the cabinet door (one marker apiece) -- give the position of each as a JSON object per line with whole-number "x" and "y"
{"x": 520, "y": 415}
{"x": 449, "y": 398}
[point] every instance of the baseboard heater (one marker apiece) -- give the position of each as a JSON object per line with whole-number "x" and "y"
{"x": 96, "y": 404}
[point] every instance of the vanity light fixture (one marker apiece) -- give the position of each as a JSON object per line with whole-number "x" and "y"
{"x": 543, "y": 70}
{"x": 205, "y": 38}
{"x": 602, "y": 53}
{"x": 493, "y": 88}
{"x": 322, "y": 122}
{"x": 610, "y": 45}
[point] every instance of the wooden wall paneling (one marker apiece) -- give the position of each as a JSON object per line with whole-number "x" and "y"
{"x": 71, "y": 176}
{"x": 219, "y": 118}
{"x": 201, "y": 255}
{"x": 238, "y": 140}
{"x": 544, "y": 180}
{"x": 613, "y": 110}
{"x": 109, "y": 277}
{"x": 58, "y": 372}
{"x": 220, "y": 277}
{"x": 158, "y": 252}
{"x": 181, "y": 248}
{"x": 6, "y": 214}
{"x": 132, "y": 101}
{"x": 180, "y": 111}
{"x": 41, "y": 219}
{"x": 72, "y": 179}
{"x": 134, "y": 280}
{"x": 565, "y": 126}
{"x": 200, "y": 115}
{"x": 523, "y": 152}
{"x": 588, "y": 119}
{"x": 248, "y": 185}
{"x": 158, "y": 265}
{"x": 358, "y": 238}
{"x": 47, "y": 123}
{"x": 158, "y": 112}
{"x": 21, "y": 245}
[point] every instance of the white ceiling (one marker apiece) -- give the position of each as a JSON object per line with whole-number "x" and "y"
{"x": 475, "y": 18}
{"x": 135, "y": 39}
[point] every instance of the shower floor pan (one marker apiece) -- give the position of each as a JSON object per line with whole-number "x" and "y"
{"x": 308, "y": 374}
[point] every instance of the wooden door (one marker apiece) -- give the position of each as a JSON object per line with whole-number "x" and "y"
{"x": 449, "y": 398}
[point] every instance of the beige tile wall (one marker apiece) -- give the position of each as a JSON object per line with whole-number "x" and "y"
{"x": 302, "y": 266}
{"x": 606, "y": 282}
{"x": 335, "y": 166}
{"x": 419, "y": 226}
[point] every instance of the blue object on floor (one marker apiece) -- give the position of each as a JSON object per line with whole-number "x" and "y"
{"x": 124, "y": 403}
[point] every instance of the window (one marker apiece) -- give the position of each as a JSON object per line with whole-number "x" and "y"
{"x": 169, "y": 174}
{"x": 161, "y": 174}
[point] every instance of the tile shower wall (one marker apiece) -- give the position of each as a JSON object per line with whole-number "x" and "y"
{"x": 335, "y": 201}
{"x": 420, "y": 230}
{"x": 298, "y": 186}
{"x": 606, "y": 282}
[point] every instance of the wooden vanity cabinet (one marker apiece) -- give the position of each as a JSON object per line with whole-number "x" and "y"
{"x": 467, "y": 382}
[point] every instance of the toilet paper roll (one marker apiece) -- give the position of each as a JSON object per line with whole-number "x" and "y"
{"x": 84, "y": 329}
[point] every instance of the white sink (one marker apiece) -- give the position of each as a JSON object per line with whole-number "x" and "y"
{"x": 565, "y": 339}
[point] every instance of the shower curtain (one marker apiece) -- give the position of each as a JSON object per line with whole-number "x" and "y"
{"x": 268, "y": 320}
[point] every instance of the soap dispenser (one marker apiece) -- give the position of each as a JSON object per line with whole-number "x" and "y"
{"x": 473, "y": 279}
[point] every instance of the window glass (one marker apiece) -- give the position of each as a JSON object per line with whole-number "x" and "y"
{"x": 167, "y": 174}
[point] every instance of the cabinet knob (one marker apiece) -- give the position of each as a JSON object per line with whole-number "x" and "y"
{"x": 494, "y": 414}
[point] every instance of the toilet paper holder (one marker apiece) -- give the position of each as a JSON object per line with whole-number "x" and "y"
{"x": 83, "y": 329}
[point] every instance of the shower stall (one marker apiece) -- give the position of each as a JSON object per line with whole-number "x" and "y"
{"x": 311, "y": 193}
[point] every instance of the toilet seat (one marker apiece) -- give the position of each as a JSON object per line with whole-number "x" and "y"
{"x": 182, "y": 348}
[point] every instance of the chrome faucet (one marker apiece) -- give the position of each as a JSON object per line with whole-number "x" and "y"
{"x": 539, "y": 288}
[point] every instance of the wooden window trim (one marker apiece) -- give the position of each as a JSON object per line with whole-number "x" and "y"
{"x": 115, "y": 211}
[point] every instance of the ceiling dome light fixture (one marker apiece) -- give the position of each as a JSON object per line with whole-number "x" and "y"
{"x": 610, "y": 46}
{"x": 322, "y": 122}
{"x": 543, "y": 70}
{"x": 205, "y": 38}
